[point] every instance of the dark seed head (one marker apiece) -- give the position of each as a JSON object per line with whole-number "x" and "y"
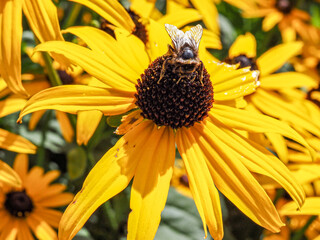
{"x": 184, "y": 180}
{"x": 176, "y": 100}
{"x": 284, "y": 6}
{"x": 140, "y": 30}
{"x": 18, "y": 203}
{"x": 65, "y": 77}
{"x": 244, "y": 62}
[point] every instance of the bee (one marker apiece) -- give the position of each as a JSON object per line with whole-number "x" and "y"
{"x": 183, "y": 55}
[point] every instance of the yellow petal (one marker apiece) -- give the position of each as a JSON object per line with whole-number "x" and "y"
{"x": 51, "y": 216}
{"x": 87, "y": 122}
{"x": 279, "y": 81}
{"x": 66, "y": 127}
{"x": 112, "y": 11}
{"x": 229, "y": 83}
{"x": 310, "y": 207}
{"x": 74, "y": 98}
{"x": 151, "y": 184}
{"x": 244, "y": 45}
{"x": 277, "y": 56}
{"x": 143, "y": 8}
{"x": 233, "y": 179}
{"x": 109, "y": 176}
{"x": 95, "y": 63}
{"x": 35, "y": 118}
{"x": 41, "y": 228}
{"x": 209, "y": 13}
{"x": 15, "y": 143}
{"x": 254, "y": 122}
{"x": 8, "y": 176}
{"x": 279, "y": 144}
{"x": 271, "y": 20}
{"x": 305, "y": 173}
{"x": 129, "y": 121}
{"x": 202, "y": 186}
{"x": 138, "y": 58}
{"x": 158, "y": 40}
{"x": 11, "y": 105}
{"x": 114, "y": 50}
{"x": 257, "y": 159}
{"x": 10, "y": 47}
{"x": 21, "y": 165}
{"x": 179, "y": 19}
{"x": 273, "y": 105}
{"x": 211, "y": 40}
{"x": 43, "y": 19}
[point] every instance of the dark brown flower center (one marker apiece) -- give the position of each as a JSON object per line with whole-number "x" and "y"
{"x": 177, "y": 99}
{"x": 18, "y": 203}
{"x": 244, "y": 62}
{"x": 284, "y": 6}
{"x": 65, "y": 77}
{"x": 184, "y": 180}
{"x": 139, "y": 31}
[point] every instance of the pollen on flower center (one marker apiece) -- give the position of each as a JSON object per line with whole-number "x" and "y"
{"x": 174, "y": 100}
{"x": 18, "y": 203}
{"x": 284, "y": 6}
{"x": 244, "y": 62}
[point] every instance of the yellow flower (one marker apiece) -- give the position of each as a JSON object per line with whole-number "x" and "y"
{"x": 180, "y": 179}
{"x": 176, "y": 109}
{"x": 272, "y": 97}
{"x": 43, "y": 20}
{"x": 309, "y": 62}
{"x": 275, "y": 12}
{"x": 27, "y": 208}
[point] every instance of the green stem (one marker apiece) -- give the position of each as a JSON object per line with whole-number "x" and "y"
{"x": 41, "y": 148}
{"x": 299, "y": 234}
{"x": 111, "y": 215}
{"x": 52, "y": 73}
{"x": 72, "y": 16}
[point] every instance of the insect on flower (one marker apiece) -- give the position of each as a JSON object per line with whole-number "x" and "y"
{"x": 184, "y": 53}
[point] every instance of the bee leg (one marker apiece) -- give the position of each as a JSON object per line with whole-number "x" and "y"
{"x": 201, "y": 74}
{"x": 163, "y": 70}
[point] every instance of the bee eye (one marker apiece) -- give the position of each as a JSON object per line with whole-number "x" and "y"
{"x": 187, "y": 54}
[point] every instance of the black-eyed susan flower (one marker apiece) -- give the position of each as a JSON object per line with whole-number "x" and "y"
{"x": 272, "y": 97}
{"x": 180, "y": 179}
{"x": 43, "y": 20}
{"x": 275, "y": 12}
{"x": 172, "y": 102}
{"x": 27, "y": 208}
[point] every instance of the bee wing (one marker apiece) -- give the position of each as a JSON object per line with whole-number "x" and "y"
{"x": 176, "y": 35}
{"x": 194, "y": 36}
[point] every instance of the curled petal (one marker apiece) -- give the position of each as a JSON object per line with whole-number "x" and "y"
{"x": 74, "y": 98}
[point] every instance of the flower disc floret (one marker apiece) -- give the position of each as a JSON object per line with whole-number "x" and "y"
{"x": 18, "y": 203}
{"x": 284, "y": 6}
{"x": 174, "y": 100}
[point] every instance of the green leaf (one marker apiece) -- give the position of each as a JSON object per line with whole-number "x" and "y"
{"x": 77, "y": 162}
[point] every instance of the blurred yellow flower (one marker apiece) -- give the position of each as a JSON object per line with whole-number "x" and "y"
{"x": 26, "y": 209}
{"x": 275, "y": 12}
